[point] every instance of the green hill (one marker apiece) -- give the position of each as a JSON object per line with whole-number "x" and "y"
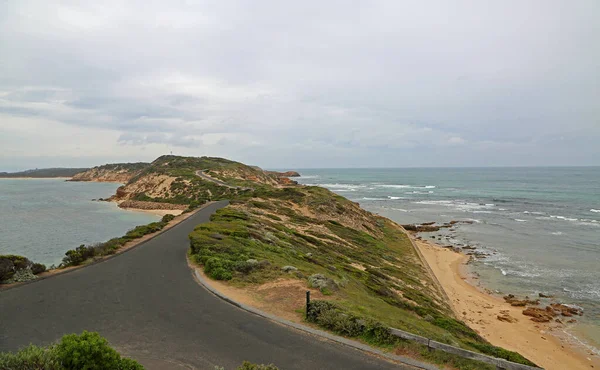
{"x": 44, "y": 173}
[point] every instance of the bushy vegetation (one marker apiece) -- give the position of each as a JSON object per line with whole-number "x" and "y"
{"x": 247, "y": 365}
{"x": 250, "y": 366}
{"x": 87, "y": 351}
{"x": 83, "y": 253}
{"x": 44, "y": 172}
{"x": 372, "y": 266}
{"x": 11, "y": 264}
{"x": 330, "y": 316}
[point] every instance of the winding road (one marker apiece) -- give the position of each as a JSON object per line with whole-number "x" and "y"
{"x": 146, "y": 302}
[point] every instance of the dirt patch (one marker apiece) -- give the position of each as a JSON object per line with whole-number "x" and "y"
{"x": 284, "y": 298}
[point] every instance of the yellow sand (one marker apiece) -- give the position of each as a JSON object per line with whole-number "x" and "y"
{"x": 480, "y": 310}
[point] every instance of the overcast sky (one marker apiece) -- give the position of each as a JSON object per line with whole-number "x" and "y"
{"x": 296, "y": 84}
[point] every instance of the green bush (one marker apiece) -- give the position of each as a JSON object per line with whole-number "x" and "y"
{"x": 330, "y": 316}
{"x": 167, "y": 218}
{"x": 78, "y": 255}
{"x": 30, "y": 358}
{"x": 38, "y": 268}
{"x": 250, "y": 366}
{"x": 88, "y": 351}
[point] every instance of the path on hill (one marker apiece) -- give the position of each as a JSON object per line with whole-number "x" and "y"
{"x": 147, "y": 304}
{"x": 219, "y": 182}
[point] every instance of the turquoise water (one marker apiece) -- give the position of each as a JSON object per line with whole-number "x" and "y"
{"x": 539, "y": 226}
{"x": 43, "y": 218}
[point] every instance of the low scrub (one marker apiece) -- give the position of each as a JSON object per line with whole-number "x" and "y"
{"x": 86, "y": 351}
{"x": 81, "y": 254}
{"x": 332, "y": 317}
{"x": 13, "y": 268}
{"x": 250, "y": 366}
{"x": 329, "y": 316}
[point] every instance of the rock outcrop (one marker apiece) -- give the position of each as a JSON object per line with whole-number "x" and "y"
{"x": 428, "y": 227}
{"x": 539, "y": 314}
{"x": 550, "y": 312}
{"x": 284, "y": 174}
{"x": 514, "y": 301}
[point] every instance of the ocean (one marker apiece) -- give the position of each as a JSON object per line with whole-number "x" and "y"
{"x": 43, "y": 218}
{"x": 540, "y": 227}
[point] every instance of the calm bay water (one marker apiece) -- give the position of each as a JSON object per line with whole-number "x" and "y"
{"x": 43, "y": 218}
{"x": 540, "y": 226}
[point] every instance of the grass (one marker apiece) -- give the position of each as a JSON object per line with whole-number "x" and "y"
{"x": 376, "y": 272}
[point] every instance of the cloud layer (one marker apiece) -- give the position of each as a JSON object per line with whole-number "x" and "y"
{"x": 300, "y": 84}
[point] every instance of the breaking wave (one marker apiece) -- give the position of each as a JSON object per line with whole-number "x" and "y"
{"x": 407, "y": 186}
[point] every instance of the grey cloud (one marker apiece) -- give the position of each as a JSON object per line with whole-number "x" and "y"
{"x": 313, "y": 83}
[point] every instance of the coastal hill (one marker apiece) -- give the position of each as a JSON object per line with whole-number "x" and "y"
{"x": 302, "y": 236}
{"x": 44, "y": 173}
{"x": 116, "y": 172}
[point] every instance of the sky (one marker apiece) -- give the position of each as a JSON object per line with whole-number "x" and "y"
{"x": 300, "y": 84}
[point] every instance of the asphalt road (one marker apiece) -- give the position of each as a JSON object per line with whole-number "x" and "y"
{"x": 148, "y": 305}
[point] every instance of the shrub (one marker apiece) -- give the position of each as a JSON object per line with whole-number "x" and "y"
{"x": 330, "y": 316}
{"x": 167, "y": 218}
{"x": 38, "y": 268}
{"x": 7, "y": 268}
{"x": 78, "y": 255}
{"x": 250, "y": 366}
{"x": 90, "y": 351}
{"x": 31, "y": 357}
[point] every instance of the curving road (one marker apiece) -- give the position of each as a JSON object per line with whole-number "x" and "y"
{"x": 147, "y": 304}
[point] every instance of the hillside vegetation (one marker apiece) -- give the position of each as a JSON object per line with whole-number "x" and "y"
{"x": 44, "y": 173}
{"x": 116, "y": 172}
{"x": 275, "y": 229}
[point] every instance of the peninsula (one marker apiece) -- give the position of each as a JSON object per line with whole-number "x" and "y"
{"x": 275, "y": 239}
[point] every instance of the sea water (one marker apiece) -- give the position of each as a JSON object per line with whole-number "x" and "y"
{"x": 540, "y": 227}
{"x": 43, "y": 218}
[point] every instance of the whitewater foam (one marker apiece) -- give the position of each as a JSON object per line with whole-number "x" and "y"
{"x": 406, "y": 186}
{"x": 564, "y": 218}
{"x": 595, "y": 210}
{"x": 520, "y": 220}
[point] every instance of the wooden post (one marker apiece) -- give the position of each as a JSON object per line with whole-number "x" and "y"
{"x": 307, "y": 302}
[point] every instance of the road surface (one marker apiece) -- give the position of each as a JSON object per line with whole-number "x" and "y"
{"x": 146, "y": 302}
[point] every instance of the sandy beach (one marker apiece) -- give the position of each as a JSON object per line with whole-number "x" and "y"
{"x": 541, "y": 343}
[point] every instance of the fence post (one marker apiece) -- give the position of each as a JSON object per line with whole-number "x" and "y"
{"x": 307, "y": 302}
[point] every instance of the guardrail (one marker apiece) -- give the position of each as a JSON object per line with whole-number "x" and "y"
{"x": 432, "y": 344}
{"x": 500, "y": 363}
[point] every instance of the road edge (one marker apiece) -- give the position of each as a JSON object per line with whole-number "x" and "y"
{"x": 347, "y": 342}
{"x": 104, "y": 258}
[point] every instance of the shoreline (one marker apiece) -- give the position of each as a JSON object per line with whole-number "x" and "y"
{"x": 35, "y": 178}
{"x": 541, "y": 343}
{"x": 126, "y": 247}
